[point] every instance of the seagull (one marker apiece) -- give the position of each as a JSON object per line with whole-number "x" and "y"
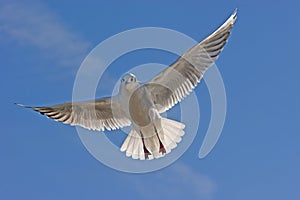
{"x": 141, "y": 104}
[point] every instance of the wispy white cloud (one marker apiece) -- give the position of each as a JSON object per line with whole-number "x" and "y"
{"x": 34, "y": 24}
{"x": 201, "y": 185}
{"x": 178, "y": 181}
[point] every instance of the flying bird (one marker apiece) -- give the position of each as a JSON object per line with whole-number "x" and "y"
{"x": 140, "y": 104}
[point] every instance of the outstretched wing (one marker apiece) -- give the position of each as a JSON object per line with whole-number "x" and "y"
{"x": 178, "y": 80}
{"x": 100, "y": 114}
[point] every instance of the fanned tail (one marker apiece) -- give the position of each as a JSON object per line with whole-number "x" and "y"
{"x": 154, "y": 141}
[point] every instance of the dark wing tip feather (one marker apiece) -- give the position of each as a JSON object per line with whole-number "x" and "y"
{"x": 234, "y": 14}
{"x": 40, "y": 110}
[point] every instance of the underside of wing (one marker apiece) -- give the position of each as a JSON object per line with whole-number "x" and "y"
{"x": 179, "y": 79}
{"x": 100, "y": 114}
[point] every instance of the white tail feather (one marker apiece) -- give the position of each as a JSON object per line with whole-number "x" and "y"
{"x": 168, "y": 135}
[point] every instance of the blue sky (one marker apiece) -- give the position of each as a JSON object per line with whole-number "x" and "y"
{"x": 257, "y": 157}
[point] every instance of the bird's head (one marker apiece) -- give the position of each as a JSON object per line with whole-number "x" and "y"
{"x": 129, "y": 81}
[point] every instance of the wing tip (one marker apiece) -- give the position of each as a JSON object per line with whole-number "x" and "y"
{"x": 233, "y": 16}
{"x": 22, "y": 105}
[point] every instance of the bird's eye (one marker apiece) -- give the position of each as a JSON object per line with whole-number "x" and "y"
{"x": 122, "y": 80}
{"x": 131, "y": 79}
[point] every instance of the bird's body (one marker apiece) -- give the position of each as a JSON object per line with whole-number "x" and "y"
{"x": 140, "y": 104}
{"x": 149, "y": 135}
